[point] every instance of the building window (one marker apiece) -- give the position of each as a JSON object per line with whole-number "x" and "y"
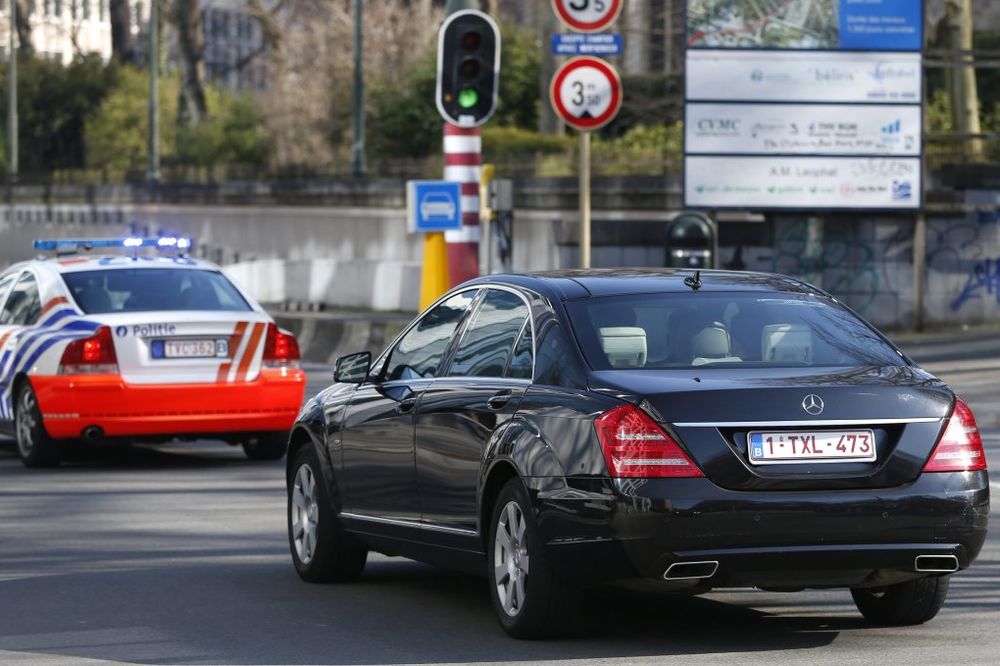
{"x": 58, "y": 7}
{"x": 86, "y": 9}
{"x": 102, "y": 9}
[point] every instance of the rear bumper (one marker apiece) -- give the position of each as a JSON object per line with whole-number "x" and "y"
{"x": 765, "y": 539}
{"x": 71, "y": 403}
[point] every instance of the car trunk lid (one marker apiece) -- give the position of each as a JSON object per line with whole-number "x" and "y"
{"x": 713, "y": 412}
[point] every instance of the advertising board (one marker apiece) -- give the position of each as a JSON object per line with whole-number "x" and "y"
{"x": 802, "y": 129}
{"x": 876, "y": 183}
{"x": 816, "y": 76}
{"x": 863, "y": 25}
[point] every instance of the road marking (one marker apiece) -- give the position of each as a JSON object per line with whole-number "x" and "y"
{"x": 994, "y": 485}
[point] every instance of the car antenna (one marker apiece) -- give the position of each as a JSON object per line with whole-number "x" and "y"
{"x": 693, "y": 282}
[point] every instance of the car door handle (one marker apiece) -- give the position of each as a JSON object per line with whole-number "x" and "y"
{"x": 499, "y": 400}
{"x": 406, "y": 405}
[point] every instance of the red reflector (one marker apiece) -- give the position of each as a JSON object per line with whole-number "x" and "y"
{"x": 960, "y": 448}
{"x": 93, "y": 355}
{"x": 280, "y": 348}
{"x": 635, "y": 446}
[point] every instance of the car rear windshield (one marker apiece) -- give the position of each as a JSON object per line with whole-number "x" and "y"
{"x": 724, "y": 330}
{"x": 153, "y": 290}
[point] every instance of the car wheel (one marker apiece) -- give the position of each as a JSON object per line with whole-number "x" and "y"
{"x": 529, "y": 599}
{"x": 34, "y": 445}
{"x": 912, "y": 602}
{"x": 323, "y": 552}
{"x": 266, "y": 446}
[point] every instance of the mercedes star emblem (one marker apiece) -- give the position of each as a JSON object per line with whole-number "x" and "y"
{"x": 813, "y": 404}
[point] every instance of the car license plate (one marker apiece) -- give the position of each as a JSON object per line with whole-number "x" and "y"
{"x": 773, "y": 448}
{"x": 190, "y": 349}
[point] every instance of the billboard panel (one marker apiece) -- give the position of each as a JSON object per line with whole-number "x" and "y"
{"x": 817, "y": 77}
{"x": 880, "y": 183}
{"x": 864, "y": 25}
{"x": 802, "y": 129}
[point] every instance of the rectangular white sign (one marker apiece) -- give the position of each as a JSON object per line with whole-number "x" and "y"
{"x": 803, "y": 76}
{"x": 802, "y": 182}
{"x": 800, "y": 129}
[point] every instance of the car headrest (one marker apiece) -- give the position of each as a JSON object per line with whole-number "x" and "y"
{"x": 786, "y": 343}
{"x": 710, "y": 342}
{"x": 625, "y": 346}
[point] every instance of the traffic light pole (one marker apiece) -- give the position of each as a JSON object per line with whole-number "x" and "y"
{"x": 153, "y": 174}
{"x": 462, "y": 161}
{"x": 358, "y": 161}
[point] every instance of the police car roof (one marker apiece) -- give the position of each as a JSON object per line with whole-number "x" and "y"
{"x": 77, "y": 263}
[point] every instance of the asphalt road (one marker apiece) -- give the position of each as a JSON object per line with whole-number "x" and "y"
{"x": 177, "y": 553}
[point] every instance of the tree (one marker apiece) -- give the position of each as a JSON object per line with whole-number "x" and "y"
{"x": 191, "y": 51}
{"x": 122, "y": 46}
{"x": 23, "y": 25}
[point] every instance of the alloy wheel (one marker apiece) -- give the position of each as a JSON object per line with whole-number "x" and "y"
{"x": 305, "y": 514}
{"x": 25, "y": 424}
{"x": 510, "y": 558}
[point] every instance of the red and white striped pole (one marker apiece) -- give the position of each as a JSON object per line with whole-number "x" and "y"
{"x": 462, "y": 161}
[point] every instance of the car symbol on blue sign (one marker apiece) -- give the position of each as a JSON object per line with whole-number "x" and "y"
{"x": 433, "y": 205}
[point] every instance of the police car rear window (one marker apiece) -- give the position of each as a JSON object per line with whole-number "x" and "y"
{"x": 153, "y": 290}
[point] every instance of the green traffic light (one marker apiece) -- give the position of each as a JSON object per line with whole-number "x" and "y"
{"x": 468, "y": 98}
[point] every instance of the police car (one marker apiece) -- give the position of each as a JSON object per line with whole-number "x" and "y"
{"x": 146, "y": 344}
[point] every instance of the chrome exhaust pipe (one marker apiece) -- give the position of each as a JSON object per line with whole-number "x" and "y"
{"x": 691, "y": 570}
{"x": 935, "y": 564}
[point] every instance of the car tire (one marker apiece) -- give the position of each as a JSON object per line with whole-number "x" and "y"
{"x": 34, "y": 446}
{"x": 530, "y": 600}
{"x": 909, "y": 603}
{"x": 322, "y": 551}
{"x": 266, "y": 446}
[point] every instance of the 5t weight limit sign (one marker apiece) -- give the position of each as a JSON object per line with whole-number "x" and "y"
{"x": 586, "y": 93}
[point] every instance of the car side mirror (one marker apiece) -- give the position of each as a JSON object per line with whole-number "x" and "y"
{"x": 354, "y": 368}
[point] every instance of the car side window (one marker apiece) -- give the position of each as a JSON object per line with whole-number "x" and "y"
{"x": 522, "y": 363}
{"x": 5, "y": 284}
{"x": 489, "y": 338}
{"x": 24, "y": 304}
{"x": 419, "y": 353}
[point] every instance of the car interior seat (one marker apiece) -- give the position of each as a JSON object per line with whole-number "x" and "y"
{"x": 625, "y": 346}
{"x": 712, "y": 345}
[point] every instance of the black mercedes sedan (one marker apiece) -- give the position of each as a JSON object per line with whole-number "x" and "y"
{"x": 705, "y": 429}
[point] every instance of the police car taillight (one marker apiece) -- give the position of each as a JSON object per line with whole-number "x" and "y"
{"x": 281, "y": 350}
{"x": 90, "y": 356}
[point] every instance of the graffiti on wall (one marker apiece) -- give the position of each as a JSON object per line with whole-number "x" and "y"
{"x": 983, "y": 281}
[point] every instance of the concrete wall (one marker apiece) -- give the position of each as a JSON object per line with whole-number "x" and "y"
{"x": 352, "y": 256}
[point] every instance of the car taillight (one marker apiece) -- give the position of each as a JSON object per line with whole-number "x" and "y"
{"x": 90, "y": 356}
{"x": 960, "y": 448}
{"x": 635, "y": 446}
{"x": 281, "y": 350}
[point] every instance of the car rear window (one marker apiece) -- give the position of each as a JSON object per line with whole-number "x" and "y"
{"x": 153, "y": 290}
{"x": 724, "y": 330}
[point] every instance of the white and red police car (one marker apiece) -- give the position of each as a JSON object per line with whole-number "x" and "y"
{"x": 141, "y": 348}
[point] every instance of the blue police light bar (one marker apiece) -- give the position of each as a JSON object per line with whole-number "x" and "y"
{"x": 78, "y": 244}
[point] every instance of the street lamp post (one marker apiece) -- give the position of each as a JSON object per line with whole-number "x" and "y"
{"x": 358, "y": 164}
{"x": 12, "y": 98}
{"x": 153, "y": 175}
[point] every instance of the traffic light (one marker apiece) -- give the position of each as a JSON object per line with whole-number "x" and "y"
{"x": 468, "y": 73}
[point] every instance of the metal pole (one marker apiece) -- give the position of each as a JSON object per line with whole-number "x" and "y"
{"x": 358, "y": 165}
{"x": 919, "y": 269}
{"x": 585, "y": 199}
{"x": 153, "y": 174}
{"x": 12, "y": 98}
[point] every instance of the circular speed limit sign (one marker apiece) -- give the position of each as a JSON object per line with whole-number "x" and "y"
{"x": 587, "y": 15}
{"x": 586, "y": 93}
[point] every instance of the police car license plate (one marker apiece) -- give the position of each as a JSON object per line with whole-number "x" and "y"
{"x": 774, "y": 448}
{"x": 190, "y": 348}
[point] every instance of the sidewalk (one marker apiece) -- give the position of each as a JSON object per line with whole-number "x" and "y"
{"x": 968, "y": 360}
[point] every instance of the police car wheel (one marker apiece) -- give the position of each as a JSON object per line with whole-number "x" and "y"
{"x": 34, "y": 445}
{"x": 266, "y": 446}
{"x": 322, "y": 551}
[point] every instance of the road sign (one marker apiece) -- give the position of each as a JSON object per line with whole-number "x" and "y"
{"x": 605, "y": 44}
{"x": 586, "y": 93}
{"x": 587, "y": 15}
{"x": 433, "y": 205}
